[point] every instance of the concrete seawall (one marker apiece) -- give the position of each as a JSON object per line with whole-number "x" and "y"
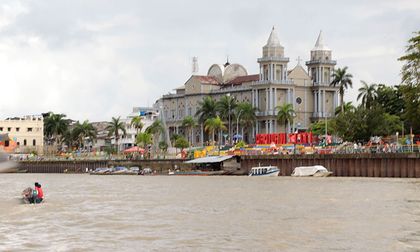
{"x": 360, "y": 165}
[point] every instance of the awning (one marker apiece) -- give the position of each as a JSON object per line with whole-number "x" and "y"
{"x": 210, "y": 159}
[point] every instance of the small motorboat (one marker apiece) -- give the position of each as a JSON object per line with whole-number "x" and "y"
{"x": 264, "y": 171}
{"x": 101, "y": 171}
{"x": 311, "y": 171}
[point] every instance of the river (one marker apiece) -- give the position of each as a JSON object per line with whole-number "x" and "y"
{"x": 174, "y": 213}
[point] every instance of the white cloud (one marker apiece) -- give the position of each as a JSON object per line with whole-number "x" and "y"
{"x": 94, "y": 59}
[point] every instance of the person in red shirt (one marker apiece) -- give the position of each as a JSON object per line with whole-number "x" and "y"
{"x": 40, "y": 193}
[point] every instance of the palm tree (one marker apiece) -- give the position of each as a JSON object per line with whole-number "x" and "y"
{"x": 143, "y": 139}
{"x": 226, "y": 106}
{"x": 206, "y": 109}
{"x": 342, "y": 79}
{"x": 189, "y": 123}
{"x": 55, "y": 126}
{"x": 285, "y": 114}
{"x": 137, "y": 123}
{"x": 82, "y": 131}
{"x": 214, "y": 124}
{"x": 368, "y": 94}
{"x": 114, "y": 127}
{"x": 348, "y": 106}
{"x": 247, "y": 114}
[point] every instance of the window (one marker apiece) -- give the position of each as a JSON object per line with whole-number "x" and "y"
{"x": 189, "y": 111}
{"x": 29, "y": 129}
{"x": 9, "y": 129}
{"x": 1, "y": 128}
{"x": 6, "y": 143}
{"x": 34, "y": 142}
{"x": 24, "y": 142}
{"x": 17, "y": 129}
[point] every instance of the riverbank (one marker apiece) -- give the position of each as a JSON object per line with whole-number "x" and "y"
{"x": 351, "y": 165}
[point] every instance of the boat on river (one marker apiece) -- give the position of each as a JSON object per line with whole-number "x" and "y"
{"x": 196, "y": 173}
{"x": 264, "y": 171}
{"x": 311, "y": 171}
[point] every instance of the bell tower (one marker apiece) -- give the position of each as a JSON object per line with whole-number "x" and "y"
{"x": 320, "y": 69}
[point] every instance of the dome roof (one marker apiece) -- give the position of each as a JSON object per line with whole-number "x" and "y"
{"x": 217, "y": 71}
{"x": 232, "y": 71}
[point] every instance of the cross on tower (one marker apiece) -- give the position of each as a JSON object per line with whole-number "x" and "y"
{"x": 299, "y": 60}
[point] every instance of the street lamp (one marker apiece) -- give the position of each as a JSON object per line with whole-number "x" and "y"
{"x": 237, "y": 122}
{"x": 228, "y": 95}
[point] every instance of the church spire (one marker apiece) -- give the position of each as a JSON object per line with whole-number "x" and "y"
{"x": 319, "y": 45}
{"x": 273, "y": 40}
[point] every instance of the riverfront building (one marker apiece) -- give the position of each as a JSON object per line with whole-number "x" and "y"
{"x": 275, "y": 85}
{"x": 22, "y": 134}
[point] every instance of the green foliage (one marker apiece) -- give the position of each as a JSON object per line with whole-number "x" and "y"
{"x": 285, "y": 114}
{"x": 181, "y": 143}
{"x": 410, "y": 87}
{"x": 206, "y": 109}
{"x": 189, "y": 123}
{"x": 390, "y": 99}
{"x": 318, "y": 128}
{"x": 143, "y": 139}
{"x": 368, "y": 94}
{"x": 240, "y": 144}
{"x": 247, "y": 114}
{"x": 342, "y": 79}
{"x": 137, "y": 123}
{"x": 226, "y": 106}
{"x": 214, "y": 124}
{"x": 55, "y": 127}
{"x": 163, "y": 146}
{"x": 83, "y": 132}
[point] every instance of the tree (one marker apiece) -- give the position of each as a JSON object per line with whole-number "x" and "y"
{"x": 84, "y": 131}
{"x": 189, "y": 123}
{"x": 342, "y": 79}
{"x": 143, "y": 139}
{"x": 247, "y": 114}
{"x": 410, "y": 87}
{"x": 285, "y": 114}
{"x": 114, "y": 127}
{"x": 55, "y": 126}
{"x": 137, "y": 124}
{"x": 214, "y": 124}
{"x": 390, "y": 99}
{"x": 181, "y": 143}
{"x": 163, "y": 146}
{"x": 368, "y": 94}
{"x": 348, "y": 106}
{"x": 206, "y": 109}
{"x": 226, "y": 107}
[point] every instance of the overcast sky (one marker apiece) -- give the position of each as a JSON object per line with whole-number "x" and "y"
{"x": 94, "y": 59}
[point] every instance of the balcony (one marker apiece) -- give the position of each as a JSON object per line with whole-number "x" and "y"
{"x": 277, "y": 82}
{"x": 327, "y": 62}
{"x": 272, "y": 58}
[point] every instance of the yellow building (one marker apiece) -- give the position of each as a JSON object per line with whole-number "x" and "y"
{"x": 22, "y": 134}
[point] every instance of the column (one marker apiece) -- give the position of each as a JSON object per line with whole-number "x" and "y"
{"x": 253, "y": 97}
{"x": 315, "y": 106}
{"x": 266, "y": 99}
{"x": 266, "y": 126}
{"x": 270, "y": 95}
{"x": 275, "y": 126}
{"x": 275, "y": 98}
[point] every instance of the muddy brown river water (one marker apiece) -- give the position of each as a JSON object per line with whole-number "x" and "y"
{"x": 173, "y": 213}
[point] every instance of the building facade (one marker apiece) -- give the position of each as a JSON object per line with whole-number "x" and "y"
{"x": 275, "y": 85}
{"x": 22, "y": 134}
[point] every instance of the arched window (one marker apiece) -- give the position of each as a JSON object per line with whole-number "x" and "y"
{"x": 24, "y": 142}
{"x": 33, "y": 142}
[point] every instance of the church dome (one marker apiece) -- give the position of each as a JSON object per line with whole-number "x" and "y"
{"x": 216, "y": 71}
{"x": 232, "y": 71}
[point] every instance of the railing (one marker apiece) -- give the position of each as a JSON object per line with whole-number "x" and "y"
{"x": 272, "y": 58}
{"x": 332, "y": 62}
{"x": 286, "y": 82}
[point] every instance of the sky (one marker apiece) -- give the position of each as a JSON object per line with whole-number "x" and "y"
{"x": 97, "y": 59}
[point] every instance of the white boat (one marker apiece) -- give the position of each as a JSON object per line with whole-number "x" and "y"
{"x": 311, "y": 171}
{"x": 264, "y": 171}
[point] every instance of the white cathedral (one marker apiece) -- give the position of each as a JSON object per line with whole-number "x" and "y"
{"x": 309, "y": 91}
